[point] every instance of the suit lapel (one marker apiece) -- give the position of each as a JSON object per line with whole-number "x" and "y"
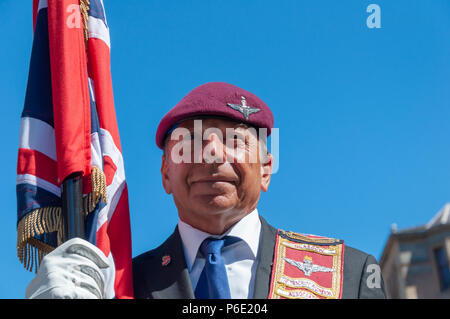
{"x": 173, "y": 280}
{"x": 265, "y": 259}
{"x": 176, "y": 282}
{"x": 175, "y": 276}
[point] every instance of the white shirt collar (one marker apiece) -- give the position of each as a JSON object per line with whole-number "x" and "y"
{"x": 248, "y": 229}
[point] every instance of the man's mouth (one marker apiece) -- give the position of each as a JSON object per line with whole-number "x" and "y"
{"x": 214, "y": 179}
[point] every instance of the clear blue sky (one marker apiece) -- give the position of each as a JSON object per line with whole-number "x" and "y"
{"x": 363, "y": 113}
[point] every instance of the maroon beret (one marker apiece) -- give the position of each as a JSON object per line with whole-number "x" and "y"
{"x": 217, "y": 99}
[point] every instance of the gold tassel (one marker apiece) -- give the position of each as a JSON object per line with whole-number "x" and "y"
{"x": 84, "y": 9}
{"x": 98, "y": 180}
{"x": 39, "y": 221}
{"x": 98, "y": 184}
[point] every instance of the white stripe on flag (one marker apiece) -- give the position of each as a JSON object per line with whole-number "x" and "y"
{"x": 97, "y": 29}
{"x": 110, "y": 149}
{"x": 114, "y": 190}
{"x": 37, "y": 135}
{"x": 96, "y": 151}
{"x": 91, "y": 88}
{"x": 42, "y": 4}
{"x": 39, "y": 182}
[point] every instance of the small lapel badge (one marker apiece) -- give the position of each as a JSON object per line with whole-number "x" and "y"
{"x": 165, "y": 260}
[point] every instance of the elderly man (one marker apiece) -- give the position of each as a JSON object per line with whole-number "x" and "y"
{"x": 215, "y": 165}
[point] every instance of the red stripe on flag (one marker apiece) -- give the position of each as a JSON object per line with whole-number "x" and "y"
{"x": 120, "y": 238}
{"x": 71, "y": 105}
{"x": 100, "y": 72}
{"x": 103, "y": 242}
{"x": 35, "y": 163}
{"x": 109, "y": 168}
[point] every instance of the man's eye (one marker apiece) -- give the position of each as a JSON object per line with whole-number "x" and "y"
{"x": 235, "y": 137}
{"x": 238, "y": 140}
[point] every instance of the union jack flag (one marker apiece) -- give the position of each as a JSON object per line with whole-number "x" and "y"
{"x": 68, "y": 125}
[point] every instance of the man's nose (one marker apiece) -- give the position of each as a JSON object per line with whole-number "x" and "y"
{"x": 215, "y": 148}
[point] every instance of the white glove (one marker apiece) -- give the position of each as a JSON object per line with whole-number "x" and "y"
{"x": 71, "y": 271}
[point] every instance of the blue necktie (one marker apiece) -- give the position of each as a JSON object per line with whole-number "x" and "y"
{"x": 213, "y": 281}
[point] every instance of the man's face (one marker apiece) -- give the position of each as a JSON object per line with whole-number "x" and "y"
{"x": 217, "y": 181}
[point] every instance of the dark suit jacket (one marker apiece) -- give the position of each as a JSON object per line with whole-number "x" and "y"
{"x": 153, "y": 280}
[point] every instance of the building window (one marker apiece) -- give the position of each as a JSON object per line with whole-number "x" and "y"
{"x": 442, "y": 267}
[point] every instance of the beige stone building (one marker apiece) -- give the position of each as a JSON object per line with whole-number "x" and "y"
{"x": 415, "y": 261}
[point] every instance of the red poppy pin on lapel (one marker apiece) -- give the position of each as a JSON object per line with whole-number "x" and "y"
{"x": 165, "y": 260}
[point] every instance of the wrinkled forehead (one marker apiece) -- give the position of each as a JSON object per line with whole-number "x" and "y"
{"x": 208, "y": 121}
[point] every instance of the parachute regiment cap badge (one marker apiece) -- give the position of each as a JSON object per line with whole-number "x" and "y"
{"x": 245, "y": 109}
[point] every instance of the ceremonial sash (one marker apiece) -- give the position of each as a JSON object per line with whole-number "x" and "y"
{"x": 306, "y": 267}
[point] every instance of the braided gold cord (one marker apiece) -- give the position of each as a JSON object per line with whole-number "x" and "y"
{"x": 84, "y": 9}
{"x": 98, "y": 192}
{"x": 98, "y": 184}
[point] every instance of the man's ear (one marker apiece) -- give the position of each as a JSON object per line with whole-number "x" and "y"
{"x": 165, "y": 174}
{"x": 266, "y": 172}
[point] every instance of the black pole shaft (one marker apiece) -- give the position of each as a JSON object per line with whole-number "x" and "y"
{"x": 71, "y": 196}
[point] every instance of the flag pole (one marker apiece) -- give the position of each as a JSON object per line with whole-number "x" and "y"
{"x": 72, "y": 186}
{"x": 71, "y": 196}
